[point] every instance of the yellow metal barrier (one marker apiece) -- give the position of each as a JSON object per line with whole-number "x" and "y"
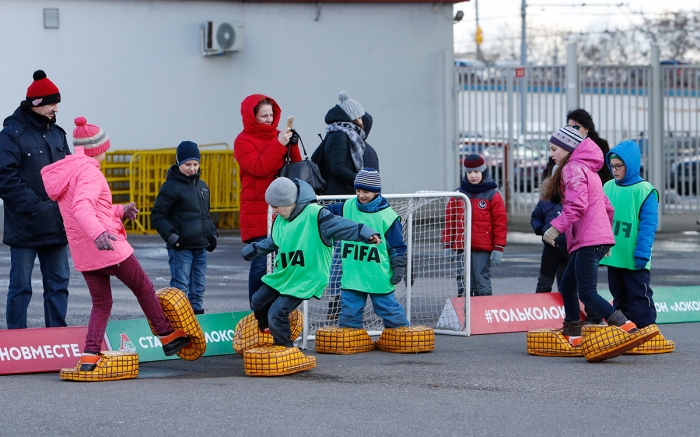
{"x": 137, "y": 175}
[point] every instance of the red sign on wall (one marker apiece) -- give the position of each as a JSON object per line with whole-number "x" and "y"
{"x": 41, "y": 349}
{"x": 519, "y": 72}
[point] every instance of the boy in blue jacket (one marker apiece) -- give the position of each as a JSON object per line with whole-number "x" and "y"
{"x": 636, "y": 219}
{"x": 368, "y": 271}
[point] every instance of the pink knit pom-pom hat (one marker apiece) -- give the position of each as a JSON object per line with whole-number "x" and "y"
{"x": 93, "y": 139}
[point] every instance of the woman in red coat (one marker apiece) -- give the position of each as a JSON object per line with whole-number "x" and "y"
{"x": 259, "y": 150}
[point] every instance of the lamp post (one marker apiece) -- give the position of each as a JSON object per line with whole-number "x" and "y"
{"x": 523, "y": 63}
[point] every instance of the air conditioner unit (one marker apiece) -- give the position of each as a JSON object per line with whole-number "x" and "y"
{"x": 221, "y": 37}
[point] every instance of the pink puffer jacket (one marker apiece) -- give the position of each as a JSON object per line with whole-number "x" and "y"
{"x": 587, "y": 215}
{"x": 85, "y": 202}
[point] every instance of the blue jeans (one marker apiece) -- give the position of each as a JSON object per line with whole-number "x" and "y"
{"x": 582, "y": 274}
{"x": 55, "y": 273}
{"x": 352, "y": 308}
{"x": 188, "y": 272}
{"x": 258, "y": 269}
{"x": 271, "y": 309}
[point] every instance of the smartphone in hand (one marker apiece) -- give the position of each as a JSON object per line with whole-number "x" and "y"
{"x": 290, "y": 122}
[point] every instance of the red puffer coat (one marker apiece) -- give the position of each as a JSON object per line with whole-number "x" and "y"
{"x": 489, "y": 222}
{"x": 260, "y": 156}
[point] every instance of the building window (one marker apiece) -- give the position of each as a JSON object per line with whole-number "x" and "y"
{"x": 50, "y": 18}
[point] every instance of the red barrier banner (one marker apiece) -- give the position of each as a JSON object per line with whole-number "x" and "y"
{"x": 516, "y": 312}
{"x": 511, "y": 313}
{"x": 41, "y": 349}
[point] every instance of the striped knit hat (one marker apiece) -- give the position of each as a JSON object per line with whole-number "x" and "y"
{"x": 93, "y": 139}
{"x": 474, "y": 162}
{"x": 368, "y": 179}
{"x": 567, "y": 137}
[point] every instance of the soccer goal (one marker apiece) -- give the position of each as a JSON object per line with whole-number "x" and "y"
{"x": 430, "y": 288}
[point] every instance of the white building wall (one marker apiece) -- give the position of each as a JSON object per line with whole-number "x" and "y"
{"x": 135, "y": 69}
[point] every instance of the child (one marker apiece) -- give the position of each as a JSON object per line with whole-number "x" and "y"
{"x": 489, "y": 226}
{"x": 586, "y": 219}
{"x": 554, "y": 259}
{"x": 379, "y": 270}
{"x": 303, "y": 233}
{"x": 636, "y": 218}
{"x": 97, "y": 240}
{"x": 181, "y": 216}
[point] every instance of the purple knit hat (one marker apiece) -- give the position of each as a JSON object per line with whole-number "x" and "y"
{"x": 567, "y": 137}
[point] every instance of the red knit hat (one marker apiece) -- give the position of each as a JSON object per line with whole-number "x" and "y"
{"x": 474, "y": 162}
{"x": 42, "y": 91}
{"x": 92, "y": 138}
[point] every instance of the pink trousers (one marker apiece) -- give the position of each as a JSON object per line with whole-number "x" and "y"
{"x": 132, "y": 275}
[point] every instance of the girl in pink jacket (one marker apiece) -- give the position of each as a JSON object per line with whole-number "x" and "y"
{"x": 97, "y": 240}
{"x": 587, "y": 221}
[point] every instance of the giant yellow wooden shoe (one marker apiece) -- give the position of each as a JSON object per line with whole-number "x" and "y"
{"x": 407, "y": 339}
{"x": 178, "y": 310}
{"x": 657, "y": 345}
{"x": 276, "y": 361}
{"x": 550, "y": 343}
{"x": 604, "y": 342}
{"x": 343, "y": 341}
{"x": 112, "y": 366}
{"x": 248, "y": 336}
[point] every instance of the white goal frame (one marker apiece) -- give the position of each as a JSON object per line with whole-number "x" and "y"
{"x": 413, "y": 290}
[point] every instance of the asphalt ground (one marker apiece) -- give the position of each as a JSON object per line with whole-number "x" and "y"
{"x": 480, "y": 385}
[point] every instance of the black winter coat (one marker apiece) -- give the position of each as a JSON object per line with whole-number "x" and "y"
{"x": 542, "y": 216}
{"x": 182, "y": 208}
{"x": 337, "y": 161}
{"x": 28, "y": 143}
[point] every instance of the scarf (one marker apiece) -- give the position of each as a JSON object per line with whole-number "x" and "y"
{"x": 355, "y": 136}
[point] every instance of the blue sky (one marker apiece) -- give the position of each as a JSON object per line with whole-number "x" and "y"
{"x": 494, "y": 15}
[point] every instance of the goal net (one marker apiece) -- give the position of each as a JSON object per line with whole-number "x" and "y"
{"x": 434, "y": 274}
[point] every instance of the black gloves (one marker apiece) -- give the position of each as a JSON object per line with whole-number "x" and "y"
{"x": 212, "y": 244}
{"x": 398, "y": 265}
{"x": 294, "y": 139}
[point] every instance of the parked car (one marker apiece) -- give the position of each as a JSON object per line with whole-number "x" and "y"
{"x": 529, "y": 160}
{"x": 684, "y": 175}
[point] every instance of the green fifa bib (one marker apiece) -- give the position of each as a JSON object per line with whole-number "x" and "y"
{"x": 627, "y": 202}
{"x": 366, "y": 267}
{"x": 303, "y": 262}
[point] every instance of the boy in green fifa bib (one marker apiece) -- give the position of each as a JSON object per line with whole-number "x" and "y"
{"x": 370, "y": 270}
{"x": 303, "y": 234}
{"x": 636, "y": 219}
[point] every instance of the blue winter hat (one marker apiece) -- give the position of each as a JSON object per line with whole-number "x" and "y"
{"x": 368, "y": 179}
{"x": 187, "y": 150}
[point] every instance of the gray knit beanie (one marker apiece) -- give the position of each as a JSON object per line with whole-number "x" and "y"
{"x": 281, "y": 192}
{"x": 350, "y": 106}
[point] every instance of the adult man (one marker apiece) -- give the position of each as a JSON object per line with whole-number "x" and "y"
{"x": 30, "y": 140}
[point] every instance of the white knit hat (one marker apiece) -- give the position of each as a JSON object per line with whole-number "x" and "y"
{"x": 350, "y": 106}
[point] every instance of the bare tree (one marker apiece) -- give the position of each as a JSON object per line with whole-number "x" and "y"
{"x": 676, "y": 33}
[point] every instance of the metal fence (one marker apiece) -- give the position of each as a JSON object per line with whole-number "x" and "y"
{"x": 507, "y": 114}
